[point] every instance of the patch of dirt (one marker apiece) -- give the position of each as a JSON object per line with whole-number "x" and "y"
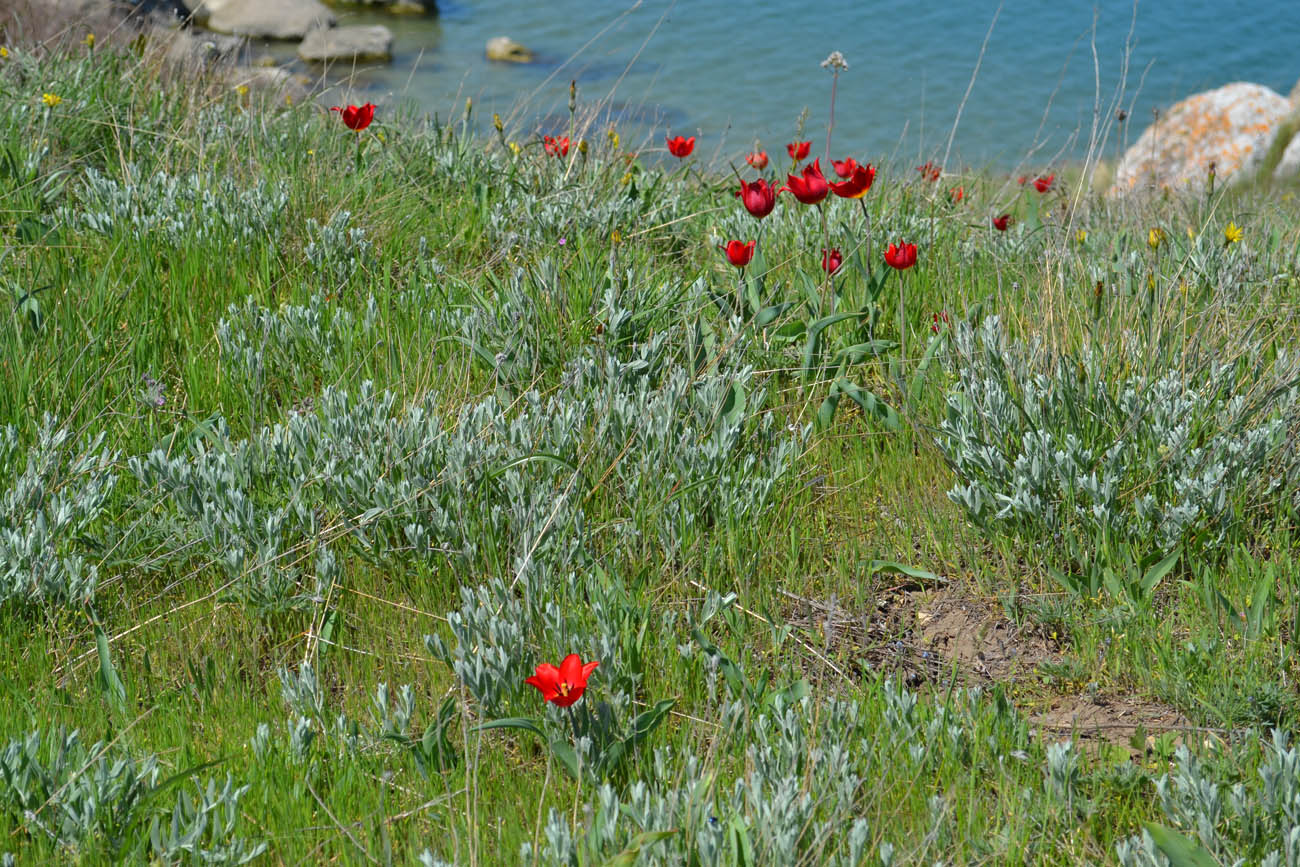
{"x": 918, "y": 634}
{"x": 921, "y": 635}
{"x": 1113, "y": 719}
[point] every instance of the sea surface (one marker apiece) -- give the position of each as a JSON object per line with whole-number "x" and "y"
{"x": 1027, "y": 82}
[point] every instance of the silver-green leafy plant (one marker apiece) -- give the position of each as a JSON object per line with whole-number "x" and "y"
{"x": 176, "y": 211}
{"x": 52, "y": 495}
{"x": 1255, "y": 821}
{"x": 100, "y": 799}
{"x": 1048, "y": 447}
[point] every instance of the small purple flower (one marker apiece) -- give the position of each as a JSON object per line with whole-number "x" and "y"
{"x": 152, "y": 395}
{"x": 563, "y": 242}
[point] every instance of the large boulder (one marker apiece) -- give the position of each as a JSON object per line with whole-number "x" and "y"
{"x": 262, "y": 19}
{"x": 1289, "y": 165}
{"x": 505, "y": 48}
{"x": 398, "y": 7}
{"x": 347, "y": 44}
{"x": 1232, "y": 127}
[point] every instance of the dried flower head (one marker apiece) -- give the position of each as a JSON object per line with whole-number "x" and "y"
{"x": 835, "y": 62}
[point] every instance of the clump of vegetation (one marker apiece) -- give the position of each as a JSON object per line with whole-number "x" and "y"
{"x": 633, "y": 486}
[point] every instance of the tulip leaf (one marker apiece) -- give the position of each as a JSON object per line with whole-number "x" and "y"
{"x": 733, "y": 404}
{"x": 826, "y": 412}
{"x": 754, "y": 290}
{"x": 1157, "y": 573}
{"x": 768, "y": 315}
{"x": 789, "y": 332}
{"x": 895, "y": 568}
{"x": 871, "y": 404}
{"x": 812, "y": 346}
{"x": 563, "y": 751}
{"x": 109, "y": 680}
{"x": 632, "y": 852}
{"x": 539, "y": 456}
{"x": 858, "y": 351}
{"x": 744, "y": 849}
{"x": 918, "y": 378}
{"x": 647, "y": 721}
{"x": 522, "y": 723}
{"x": 1180, "y": 851}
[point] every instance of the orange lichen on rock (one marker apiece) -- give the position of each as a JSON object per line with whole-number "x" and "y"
{"x": 1231, "y": 126}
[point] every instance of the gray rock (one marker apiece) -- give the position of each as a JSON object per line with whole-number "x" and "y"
{"x": 1289, "y": 165}
{"x": 196, "y": 48}
{"x": 398, "y": 7}
{"x": 262, "y": 19}
{"x": 347, "y": 43}
{"x": 505, "y": 48}
{"x": 1231, "y": 127}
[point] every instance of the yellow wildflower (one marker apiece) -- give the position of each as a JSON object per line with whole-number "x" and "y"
{"x": 616, "y": 237}
{"x": 4, "y": 52}
{"x": 1191, "y": 234}
{"x": 89, "y": 41}
{"x": 288, "y": 99}
{"x": 626, "y": 179}
{"x": 1081, "y": 235}
{"x": 613, "y": 138}
{"x": 1232, "y": 233}
{"x": 515, "y": 148}
{"x": 496, "y": 122}
{"x": 1155, "y": 237}
{"x": 379, "y": 134}
{"x": 51, "y": 99}
{"x": 242, "y": 90}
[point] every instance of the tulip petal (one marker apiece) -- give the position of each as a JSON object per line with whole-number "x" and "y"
{"x": 571, "y": 669}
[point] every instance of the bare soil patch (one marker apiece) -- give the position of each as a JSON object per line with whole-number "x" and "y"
{"x": 923, "y": 635}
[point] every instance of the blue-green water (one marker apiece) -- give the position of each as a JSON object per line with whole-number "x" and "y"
{"x": 732, "y": 73}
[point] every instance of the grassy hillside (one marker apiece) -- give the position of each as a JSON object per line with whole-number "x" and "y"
{"x": 317, "y": 443}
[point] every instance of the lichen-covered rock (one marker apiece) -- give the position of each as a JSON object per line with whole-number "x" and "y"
{"x": 1289, "y": 165}
{"x": 1231, "y": 127}
{"x": 347, "y": 43}
{"x": 505, "y": 48}
{"x": 397, "y": 7}
{"x": 262, "y": 19}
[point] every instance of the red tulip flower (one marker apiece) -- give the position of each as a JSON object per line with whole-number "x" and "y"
{"x": 955, "y": 195}
{"x": 831, "y": 260}
{"x": 356, "y": 117}
{"x": 739, "y": 253}
{"x": 564, "y": 685}
{"x": 1021, "y": 180}
{"x": 901, "y": 256}
{"x": 1001, "y": 223}
{"x": 556, "y": 146}
{"x": 930, "y": 171}
{"x": 680, "y": 146}
{"x": 844, "y": 168}
{"x": 759, "y": 197}
{"x": 858, "y": 183}
{"x": 941, "y": 317}
{"x": 758, "y": 159}
{"x": 1043, "y": 183}
{"x": 812, "y": 187}
{"x": 798, "y": 150}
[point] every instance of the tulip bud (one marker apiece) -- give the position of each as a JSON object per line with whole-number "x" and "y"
{"x": 496, "y": 122}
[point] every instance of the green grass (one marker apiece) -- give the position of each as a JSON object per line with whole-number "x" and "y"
{"x": 644, "y": 472}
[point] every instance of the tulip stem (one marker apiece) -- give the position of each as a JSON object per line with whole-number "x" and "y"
{"x": 828, "y": 291}
{"x": 830, "y": 125}
{"x": 866, "y": 215}
{"x": 902, "y": 323}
